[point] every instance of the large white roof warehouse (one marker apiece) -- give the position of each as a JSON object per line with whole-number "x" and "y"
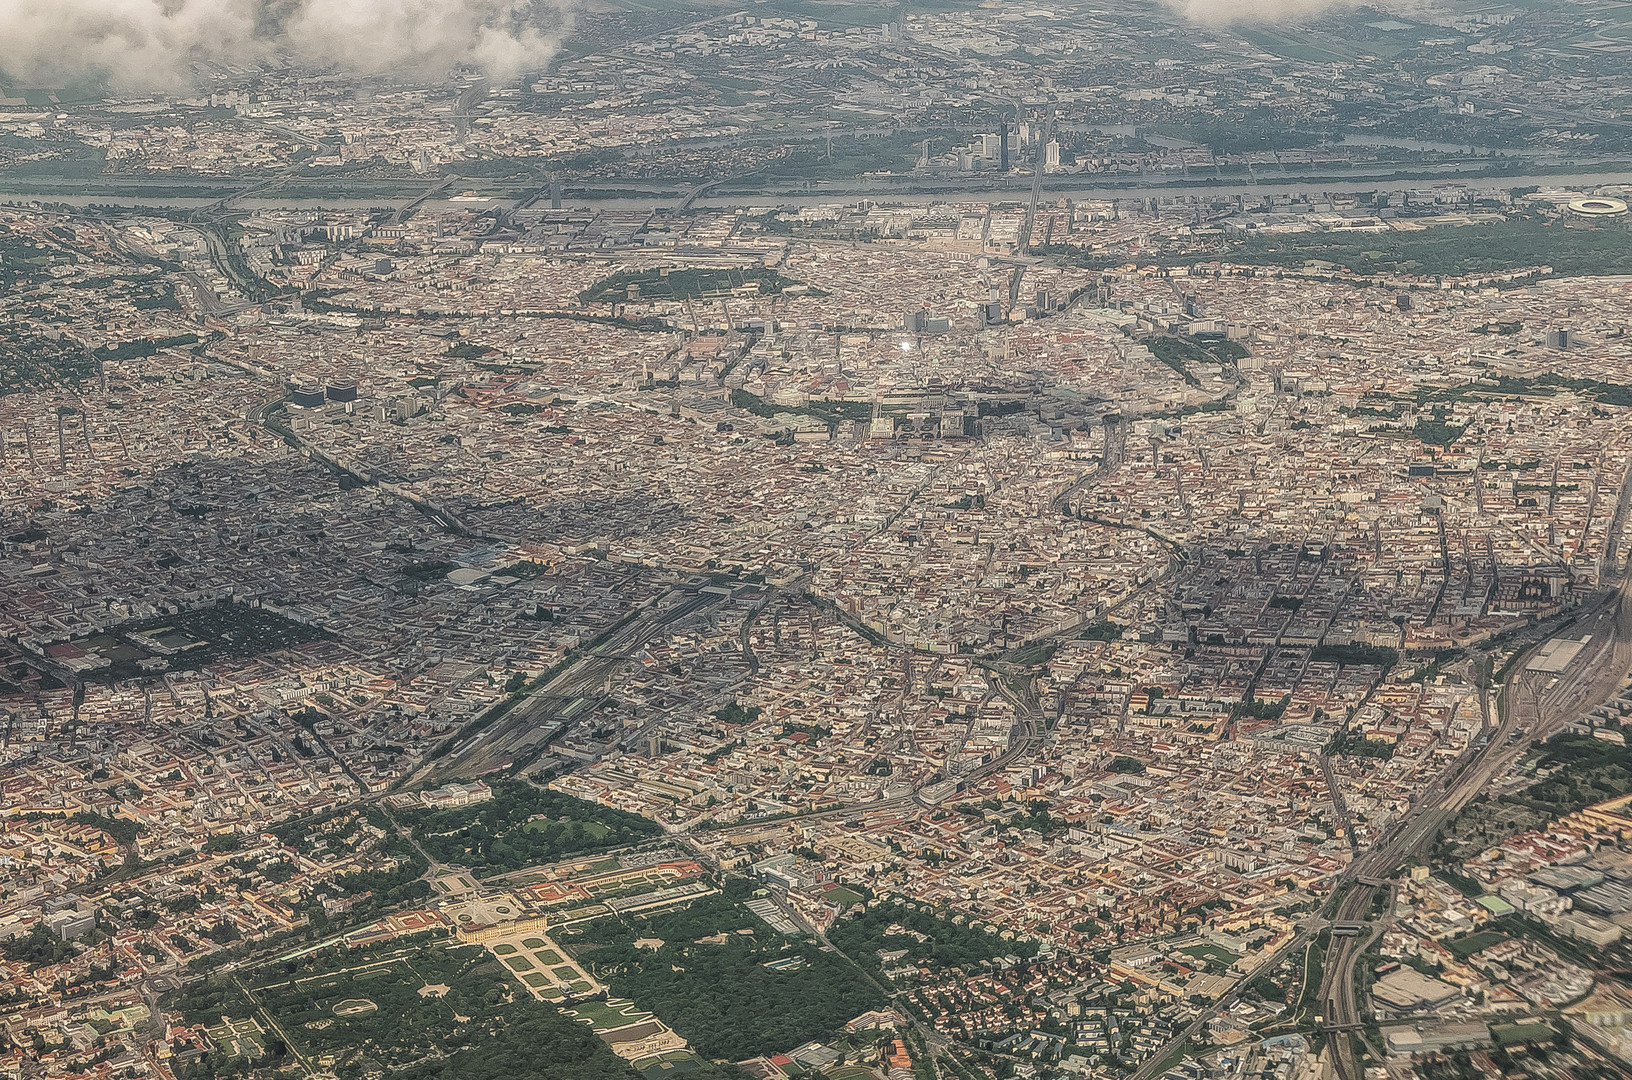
{"x": 1557, "y": 655}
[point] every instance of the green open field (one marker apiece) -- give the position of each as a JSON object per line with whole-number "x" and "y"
{"x": 608, "y": 1015}
{"x": 239, "y": 1039}
{"x": 673, "y": 1063}
{"x": 1466, "y": 947}
{"x": 1296, "y": 45}
{"x": 1513, "y": 1034}
{"x": 1208, "y": 951}
{"x": 377, "y": 973}
{"x": 595, "y": 829}
{"x": 844, "y": 897}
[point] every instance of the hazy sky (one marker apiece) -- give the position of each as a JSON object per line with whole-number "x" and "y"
{"x": 1219, "y": 11}
{"x": 149, "y": 44}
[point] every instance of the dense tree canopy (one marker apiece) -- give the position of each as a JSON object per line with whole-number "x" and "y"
{"x": 523, "y": 825}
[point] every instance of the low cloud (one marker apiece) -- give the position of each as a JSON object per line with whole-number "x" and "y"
{"x": 153, "y": 44}
{"x": 1254, "y": 11}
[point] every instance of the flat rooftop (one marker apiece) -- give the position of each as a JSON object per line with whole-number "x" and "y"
{"x": 1557, "y": 655}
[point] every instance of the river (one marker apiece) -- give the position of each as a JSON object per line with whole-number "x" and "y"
{"x": 1196, "y": 185}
